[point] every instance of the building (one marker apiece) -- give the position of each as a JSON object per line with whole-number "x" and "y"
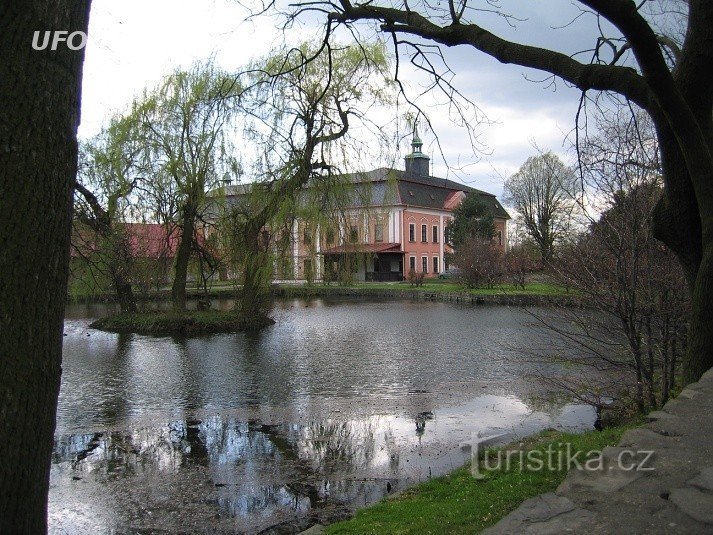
{"x": 394, "y": 222}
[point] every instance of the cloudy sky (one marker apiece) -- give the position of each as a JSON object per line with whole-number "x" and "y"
{"x": 133, "y": 43}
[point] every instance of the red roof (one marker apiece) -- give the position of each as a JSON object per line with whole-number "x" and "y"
{"x": 146, "y": 240}
{"x": 151, "y": 240}
{"x": 365, "y": 248}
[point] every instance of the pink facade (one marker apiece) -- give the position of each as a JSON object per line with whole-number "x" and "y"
{"x": 423, "y": 245}
{"x": 396, "y": 224}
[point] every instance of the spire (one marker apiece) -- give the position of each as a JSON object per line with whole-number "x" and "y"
{"x": 417, "y": 162}
{"x": 416, "y": 143}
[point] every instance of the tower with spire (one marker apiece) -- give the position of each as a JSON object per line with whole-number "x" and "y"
{"x": 417, "y": 163}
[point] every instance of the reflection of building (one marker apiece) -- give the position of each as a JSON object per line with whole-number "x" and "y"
{"x": 394, "y": 222}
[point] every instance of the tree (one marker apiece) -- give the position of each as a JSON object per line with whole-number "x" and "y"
{"x": 109, "y": 167}
{"x": 40, "y": 92}
{"x": 183, "y": 127}
{"x": 670, "y": 81}
{"x": 472, "y": 218}
{"x": 543, "y": 193}
{"x": 470, "y": 233}
{"x": 298, "y": 108}
{"x": 622, "y": 271}
{"x": 634, "y": 283}
{"x": 480, "y": 262}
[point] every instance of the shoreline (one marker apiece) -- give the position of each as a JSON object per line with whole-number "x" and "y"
{"x": 480, "y": 296}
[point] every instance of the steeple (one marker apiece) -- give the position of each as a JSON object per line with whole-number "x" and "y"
{"x": 417, "y": 162}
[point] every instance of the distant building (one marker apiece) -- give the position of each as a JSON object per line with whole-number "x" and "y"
{"x": 395, "y": 222}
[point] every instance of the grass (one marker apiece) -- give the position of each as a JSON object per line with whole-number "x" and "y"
{"x": 190, "y": 322}
{"x": 228, "y": 289}
{"x": 534, "y": 288}
{"x": 438, "y": 286}
{"x": 459, "y": 503}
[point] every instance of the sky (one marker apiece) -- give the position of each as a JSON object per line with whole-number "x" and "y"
{"x": 133, "y": 44}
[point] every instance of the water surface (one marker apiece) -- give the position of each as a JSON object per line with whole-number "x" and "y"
{"x": 329, "y": 409}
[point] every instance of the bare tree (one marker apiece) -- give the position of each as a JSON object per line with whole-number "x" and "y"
{"x": 630, "y": 57}
{"x": 40, "y": 95}
{"x": 622, "y": 271}
{"x": 543, "y": 193}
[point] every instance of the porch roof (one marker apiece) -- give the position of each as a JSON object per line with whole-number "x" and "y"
{"x": 364, "y": 248}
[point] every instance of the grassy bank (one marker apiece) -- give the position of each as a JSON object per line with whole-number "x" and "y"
{"x": 193, "y": 322}
{"x": 459, "y": 503}
{"x": 446, "y": 286}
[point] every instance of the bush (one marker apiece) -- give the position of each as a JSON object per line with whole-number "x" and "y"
{"x": 415, "y": 278}
{"x": 519, "y": 261}
{"x": 480, "y": 263}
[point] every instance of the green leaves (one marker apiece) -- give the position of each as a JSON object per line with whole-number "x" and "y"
{"x": 473, "y": 218}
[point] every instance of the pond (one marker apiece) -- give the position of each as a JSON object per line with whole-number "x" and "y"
{"x": 328, "y": 410}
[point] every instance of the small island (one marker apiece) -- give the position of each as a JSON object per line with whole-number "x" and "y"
{"x": 181, "y": 323}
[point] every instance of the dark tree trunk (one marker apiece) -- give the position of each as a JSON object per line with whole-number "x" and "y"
{"x": 124, "y": 293}
{"x": 699, "y": 353}
{"x": 255, "y": 297}
{"x": 121, "y": 268}
{"x": 40, "y": 95}
{"x": 183, "y": 257}
{"x": 685, "y": 224}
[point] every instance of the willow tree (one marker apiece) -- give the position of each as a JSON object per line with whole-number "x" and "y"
{"x": 299, "y": 109}
{"x": 631, "y": 57}
{"x": 184, "y": 127}
{"x": 40, "y": 95}
{"x": 109, "y": 173}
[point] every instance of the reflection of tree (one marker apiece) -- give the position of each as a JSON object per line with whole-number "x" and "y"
{"x": 113, "y": 408}
{"x": 325, "y": 460}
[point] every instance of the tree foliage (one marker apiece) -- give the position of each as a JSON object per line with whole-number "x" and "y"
{"x": 543, "y": 192}
{"x": 299, "y": 109}
{"x": 108, "y": 175}
{"x": 472, "y": 218}
{"x": 187, "y": 151}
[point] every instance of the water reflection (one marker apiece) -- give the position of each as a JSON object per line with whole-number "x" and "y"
{"x": 324, "y": 412}
{"x": 247, "y": 476}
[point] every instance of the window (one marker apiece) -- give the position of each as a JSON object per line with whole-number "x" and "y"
{"x": 500, "y": 237}
{"x": 306, "y": 236}
{"x": 308, "y": 269}
{"x": 412, "y": 263}
{"x": 330, "y": 236}
{"x": 447, "y": 235}
{"x": 435, "y": 264}
{"x": 424, "y": 264}
{"x": 353, "y": 234}
{"x": 378, "y": 232}
{"x": 411, "y": 232}
{"x": 424, "y": 233}
{"x": 435, "y": 233}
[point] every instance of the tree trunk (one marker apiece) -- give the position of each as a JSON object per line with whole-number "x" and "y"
{"x": 183, "y": 257}
{"x": 685, "y": 225}
{"x": 40, "y": 95}
{"x": 699, "y": 353}
{"x": 255, "y": 294}
{"x": 121, "y": 267}
{"x": 124, "y": 293}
